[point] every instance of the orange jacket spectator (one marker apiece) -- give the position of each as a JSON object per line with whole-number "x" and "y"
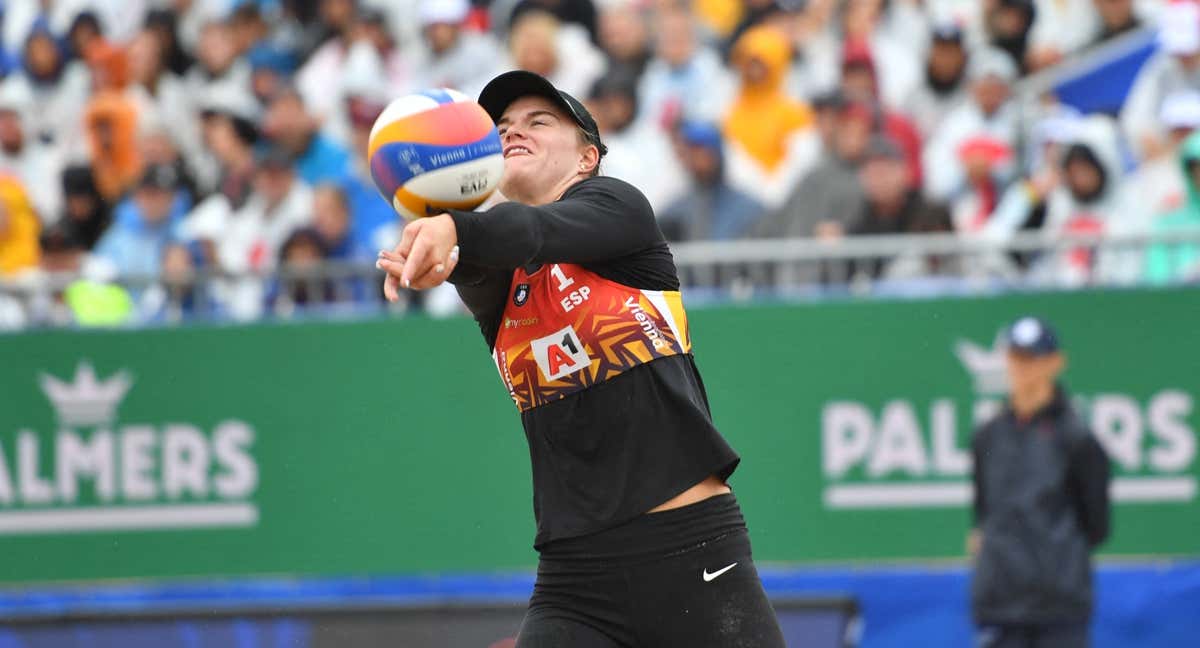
{"x": 110, "y": 121}
{"x": 763, "y": 116}
{"x": 19, "y": 229}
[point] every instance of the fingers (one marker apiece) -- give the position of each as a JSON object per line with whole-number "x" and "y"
{"x": 390, "y": 267}
{"x": 430, "y": 256}
{"x": 391, "y": 288}
{"x": 440, "y": 272}
{"x": 395, "y": 265}
{"x": 389, "y": 262}
{"x": 430, "y": 249}
{"x": 409, "y": 236}
{"x": 418, "y": 261}
{"x": 447, "y": 266}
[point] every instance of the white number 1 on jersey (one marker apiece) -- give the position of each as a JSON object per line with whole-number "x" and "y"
{"x": 563, "y": 280}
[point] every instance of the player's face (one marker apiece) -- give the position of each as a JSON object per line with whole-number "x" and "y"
{"x": 541, "y": 146}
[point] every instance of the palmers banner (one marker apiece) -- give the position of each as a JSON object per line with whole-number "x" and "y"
{"x": 393, "y": 447}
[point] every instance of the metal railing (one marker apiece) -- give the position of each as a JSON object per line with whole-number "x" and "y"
{"x": 929, "y": 264}
{"x": 897, "y": 265}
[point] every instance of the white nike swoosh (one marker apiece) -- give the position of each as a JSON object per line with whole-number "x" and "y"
{"x": 708, "y": 577}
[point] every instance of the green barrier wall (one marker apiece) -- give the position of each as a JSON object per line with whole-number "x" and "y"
{"x": 391, "y": 446}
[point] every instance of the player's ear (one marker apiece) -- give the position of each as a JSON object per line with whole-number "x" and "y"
{"x": 589, "y": 159}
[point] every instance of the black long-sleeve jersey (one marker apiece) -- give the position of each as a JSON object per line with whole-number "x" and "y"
{"x": 578, "y": 301}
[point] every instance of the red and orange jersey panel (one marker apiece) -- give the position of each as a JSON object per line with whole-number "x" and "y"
{"x": 565, "y": 329}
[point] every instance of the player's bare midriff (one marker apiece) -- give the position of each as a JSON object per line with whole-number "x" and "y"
{"x": 710, "y": 487}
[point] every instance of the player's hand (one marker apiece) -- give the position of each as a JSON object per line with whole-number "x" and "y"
{"x": 426, "y": 246}
{"x": 393, "y": 264}
{"x": 425, "y": 257}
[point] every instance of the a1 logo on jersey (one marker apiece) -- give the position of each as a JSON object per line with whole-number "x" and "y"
{"x": 560, "y": 354}
{"x": 521, "y": 294}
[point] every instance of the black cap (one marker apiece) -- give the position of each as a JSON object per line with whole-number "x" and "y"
{"x": 501, "y": 91}
{"x": 1026, "y": 5}
{"x": 77, "y": 181}
{"x": 372, "y": 16}
{"x": 947, "y": 32}
{"x": 616, "y": 82}
{"x": 1032, "y": 336}
{"x": 159, "y": 176}
{"x": 833, "y": 99}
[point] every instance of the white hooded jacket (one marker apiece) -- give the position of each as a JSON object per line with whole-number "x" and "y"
{"x": 1112, "y": 212}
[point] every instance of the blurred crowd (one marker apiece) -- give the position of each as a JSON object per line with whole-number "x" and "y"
{"x": 145, "y": 141}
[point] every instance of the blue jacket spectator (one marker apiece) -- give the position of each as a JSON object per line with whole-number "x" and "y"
{"x": 372, "y": 219}
{"x": 145, "y": 223}
{"x": 333, "y": 224}
{"x": 332, "y": 219}
{"x": 322, "y": 161}
{"x": 711, "y": 209}
{"x": 270, "y": 68}
{"x": 290, "y": 126}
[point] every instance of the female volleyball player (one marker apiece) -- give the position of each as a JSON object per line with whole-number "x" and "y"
{"x": 641, "y": 541}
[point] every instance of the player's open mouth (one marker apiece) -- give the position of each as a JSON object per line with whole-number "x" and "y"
{"x": 515, "y": 150}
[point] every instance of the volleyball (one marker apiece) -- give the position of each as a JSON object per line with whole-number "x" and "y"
{"x": 432, "y": 151}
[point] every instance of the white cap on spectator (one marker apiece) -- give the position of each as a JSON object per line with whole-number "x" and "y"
{"x": 1181, "y": 109}
{"x": 1179, "y": 28}
{"x": 451, "y": 12}
{"x": 991, "y": 62}
{"x": 227, "y": 98}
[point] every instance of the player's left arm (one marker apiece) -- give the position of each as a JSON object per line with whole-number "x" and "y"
{"x": 1090, "y": 474}
{"x": 599, "y": 220}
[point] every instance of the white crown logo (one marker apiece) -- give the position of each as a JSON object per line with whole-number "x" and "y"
{"x": 987, "y": 367}
{"x": 85, "y": 400}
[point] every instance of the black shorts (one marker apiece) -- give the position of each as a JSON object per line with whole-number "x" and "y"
{"x": 677, "y": 578}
